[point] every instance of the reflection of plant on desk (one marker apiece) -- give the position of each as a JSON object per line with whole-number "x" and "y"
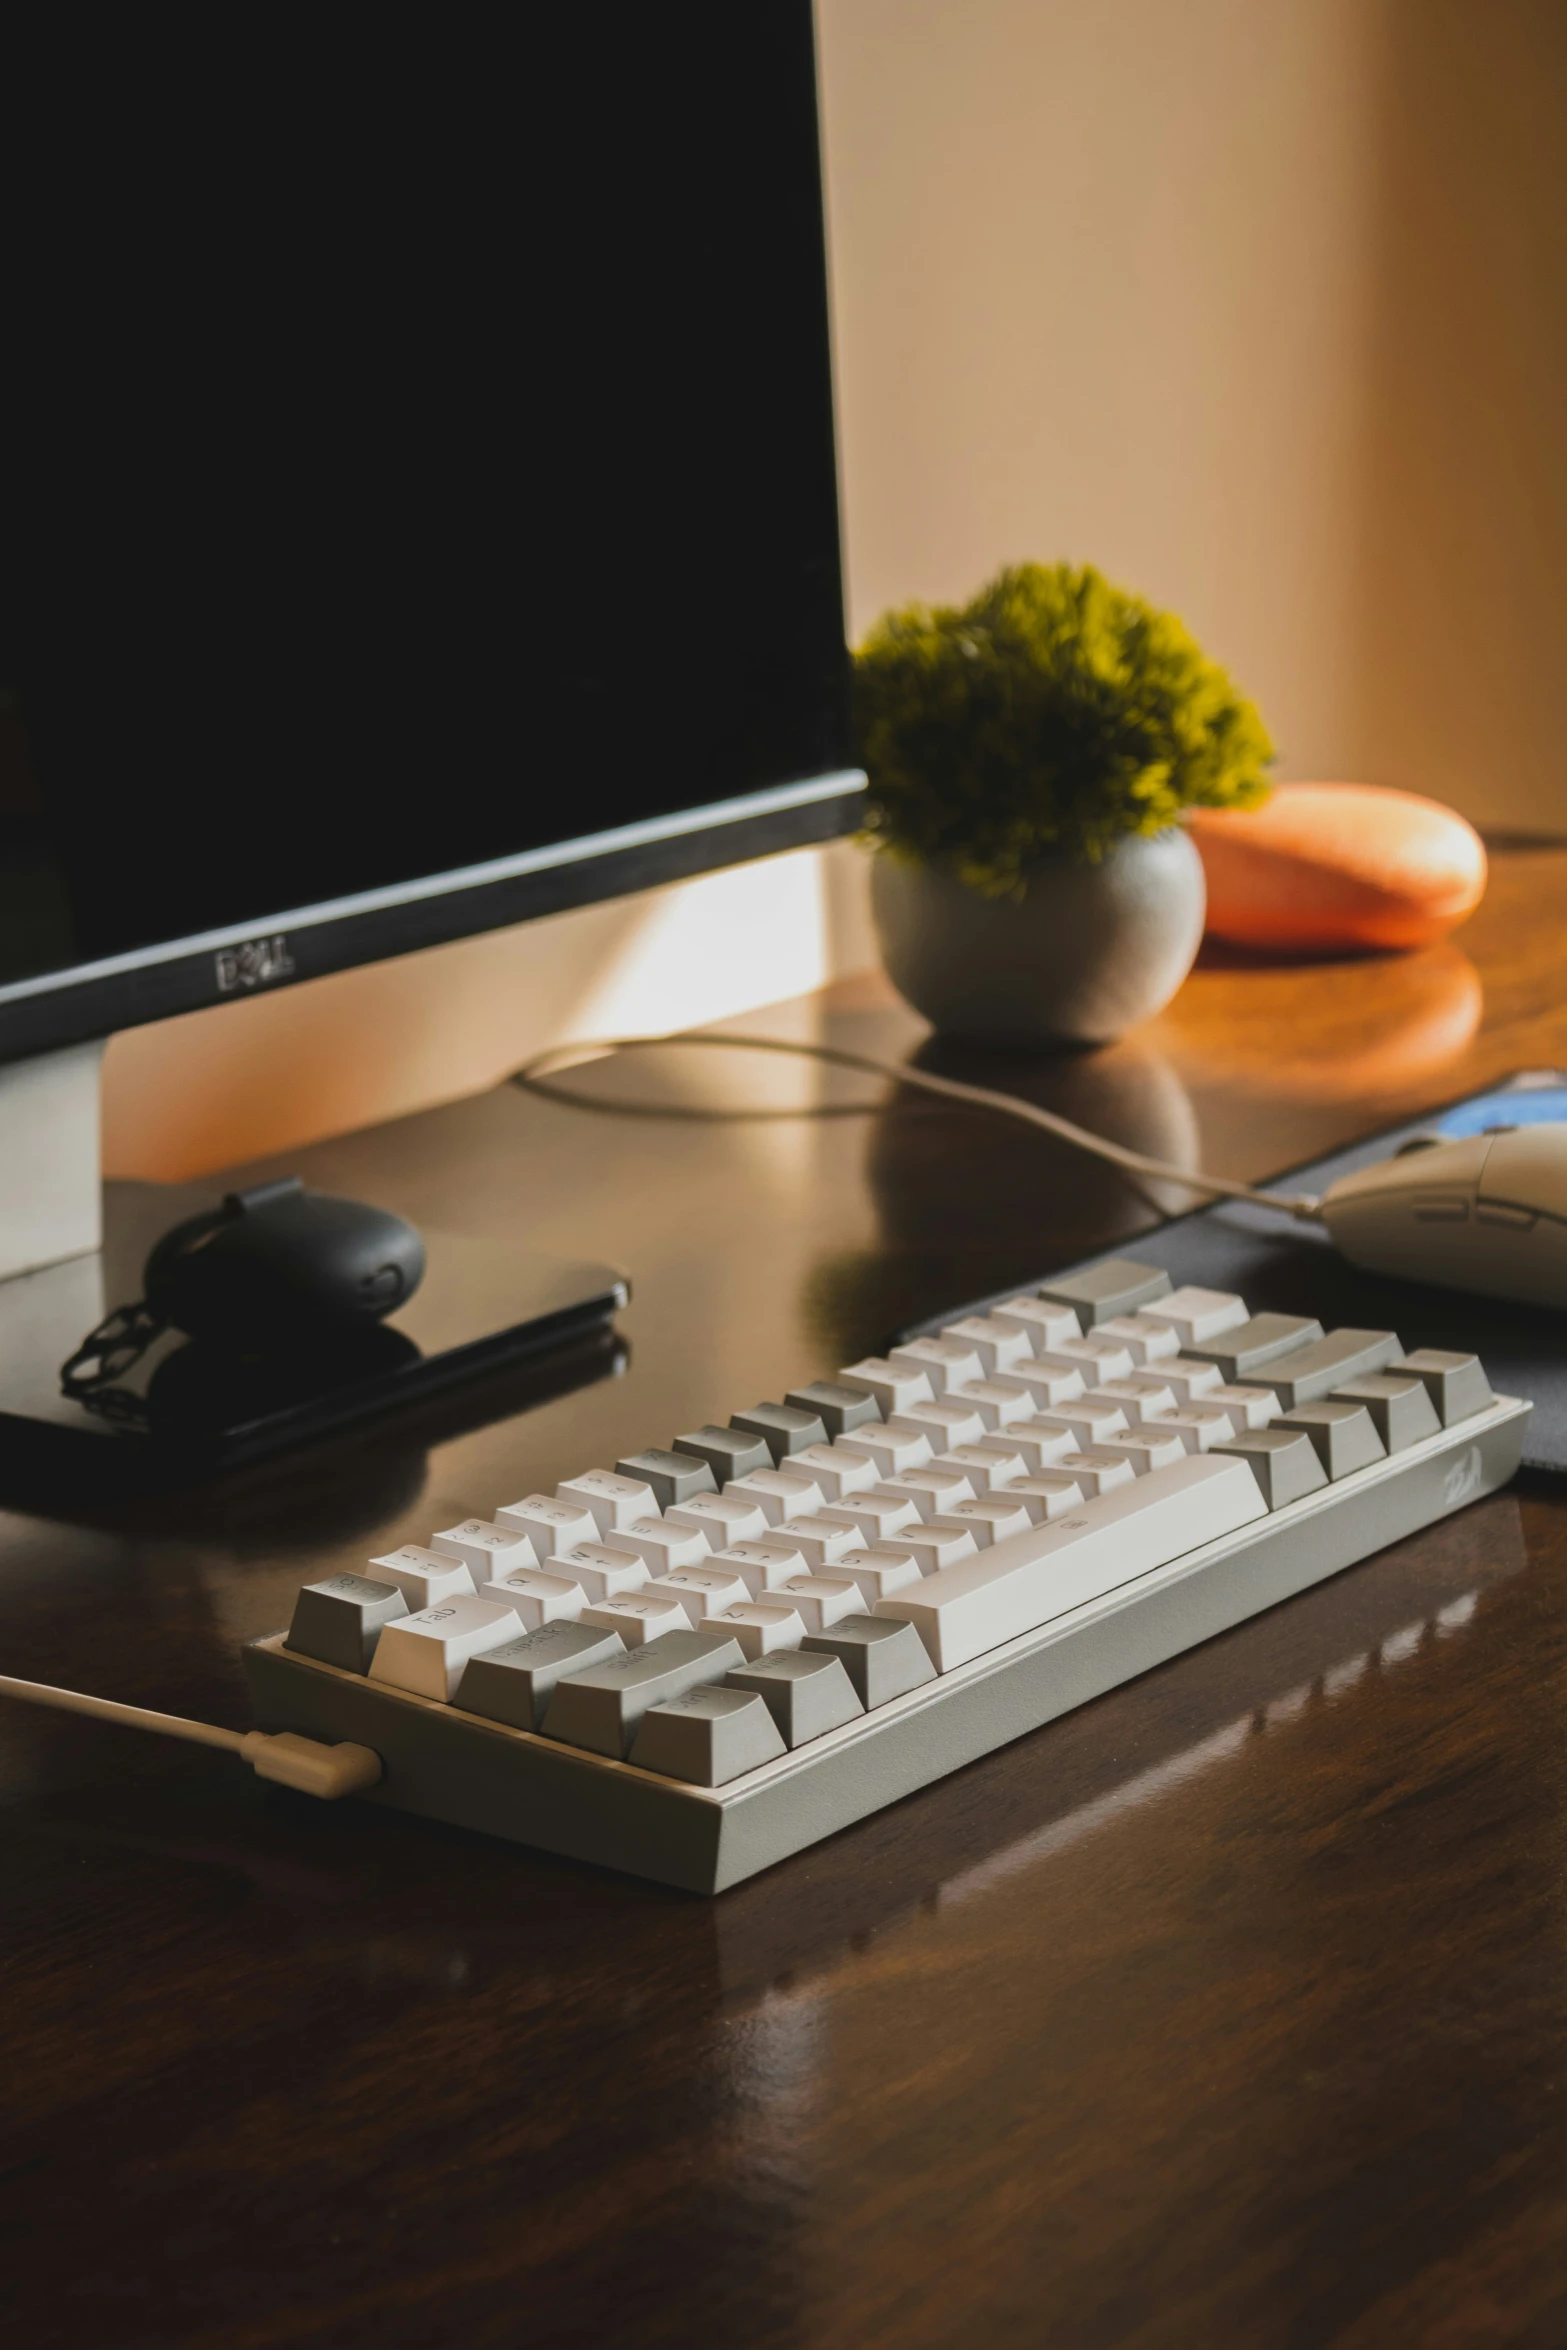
{"x": 1029, "y": 755}
{"x": 1051, "y": 715}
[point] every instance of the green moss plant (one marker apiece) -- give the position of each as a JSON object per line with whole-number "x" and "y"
{"x": 1051, "y": 715}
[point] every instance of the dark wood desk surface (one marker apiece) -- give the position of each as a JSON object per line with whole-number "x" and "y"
{"x": 1230, "y": 2010}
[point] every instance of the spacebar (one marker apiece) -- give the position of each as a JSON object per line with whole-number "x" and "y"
{"x": 1020, "y": 1583}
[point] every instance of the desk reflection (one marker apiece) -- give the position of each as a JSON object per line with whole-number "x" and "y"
{"x": 1010, "y": 1813}
{"x": 1257, "y": 1721}
{"x": 967, "y": 1202}
{"x": 1385, "y": 1027}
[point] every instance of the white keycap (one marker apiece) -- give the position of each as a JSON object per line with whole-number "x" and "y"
{"x": 1087, "y": 1421}
{"x": 822, "y": 1541}
{"x": 873, "y": 1515}
{"x": 701, "y": 1591}
{"x": 1089, "y": 1367}
{"x": 1016, "y": 1585}
{"x": 943, "y": 1361}
{"x": 433, "y": 1646}
{"x": 892, "y": 1384}
{"x": 997, "y": 1403}
{"x": 878, "y": 1571}
{"x": 1041, "y": 1442}
{"x": 1046, "y": 1387}
{"x": 930, "y": 1547}
{"x": 1000, "y": 1344}
{"x": 1199, "y": 1428}
{"x": 486, "y": 1549}
{"x": 722, "y": 1517}
{"x": 1145, "y": 1448}
{"x": 1098, "y": 1472}
{"x": 762, "y": 1566}
{"x": 836, "y": 1469}
{"x": 423, "y": 1576}
{"x": 777, "y": 1493}
{"x": 662, "y": 1545}
{"x": 1140, "y": 1397}
{"x": 1197, "y": 1314}
{"x": 539, "y": 1595}
{"x": 990, "y": 1520}
{"x": 1252, "y": 1407}
{"x": 613, "y": 1499}
{"x": 892, "y": 1449}
{"x": 1190, "y": 1379}
{"x": 1046, "y": 1324}
{"x": 1006, "y": 1461}
{"x": 820, "y": 1601}
{"x": 1146, "y": 1342}
{"x": 952, "y": 1421}
{"x": 986, "y": 1466}
{"x": 602, "y": 1573}
{"x": 1049, "y": 1495}
{"x": 761, "y": 1628}
{"x": 930, "y": 1490}
{"x": 1098, "y": 1358}
{"x": 640, "y": 1616}
{"x": 555, "y": 1525}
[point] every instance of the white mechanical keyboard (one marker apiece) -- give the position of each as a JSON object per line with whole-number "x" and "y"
{"x": 716, "y": 1652}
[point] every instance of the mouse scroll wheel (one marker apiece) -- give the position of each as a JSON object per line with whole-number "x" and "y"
{"x": 1417, "y": 1142}
{"x": 382, "y": 1288}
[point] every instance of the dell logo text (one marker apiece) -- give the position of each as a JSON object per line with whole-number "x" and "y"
{"x": 258, "y": 963}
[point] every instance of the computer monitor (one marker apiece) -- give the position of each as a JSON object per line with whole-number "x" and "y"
{"x": 422, "y": 509}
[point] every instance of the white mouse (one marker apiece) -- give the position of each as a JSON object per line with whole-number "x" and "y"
{"x": 1488, "y": 1213}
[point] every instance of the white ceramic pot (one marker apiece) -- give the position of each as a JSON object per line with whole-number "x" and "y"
{"x": 1086, "y": 954}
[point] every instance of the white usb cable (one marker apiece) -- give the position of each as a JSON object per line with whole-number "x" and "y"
{"x": 304, "y": 1763}
{"x": 539, "y": 1073}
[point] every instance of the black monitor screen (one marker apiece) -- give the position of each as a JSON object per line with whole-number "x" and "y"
{"x": 419, "y": 449}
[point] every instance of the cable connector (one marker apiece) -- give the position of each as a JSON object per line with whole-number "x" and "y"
{"x": 304, "y": 1763}
{"x": 282, "y": 1755}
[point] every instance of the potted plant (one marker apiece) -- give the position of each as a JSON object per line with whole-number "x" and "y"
{"x": 1030, "y": 754}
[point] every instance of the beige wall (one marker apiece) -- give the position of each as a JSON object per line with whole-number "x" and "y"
{"x": 1259, "y": 304}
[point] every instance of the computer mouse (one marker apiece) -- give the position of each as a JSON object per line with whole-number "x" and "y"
{"x": 1488, "y": 1214}
{"x": 278, "y": 1264}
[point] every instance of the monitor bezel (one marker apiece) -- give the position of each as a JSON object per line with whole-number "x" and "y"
{"x": 53, "y": 1010}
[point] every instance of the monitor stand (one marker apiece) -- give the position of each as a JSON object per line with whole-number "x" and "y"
{"x": 50, "y": 1155}
{"x": 505, "y": 1325}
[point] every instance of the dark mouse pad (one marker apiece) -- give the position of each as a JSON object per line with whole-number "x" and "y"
{"x": 1278, "y": 1264}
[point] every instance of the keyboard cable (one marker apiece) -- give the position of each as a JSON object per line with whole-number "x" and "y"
{"x": 301, "y": 1763}
{"x": 540, "y": 1075}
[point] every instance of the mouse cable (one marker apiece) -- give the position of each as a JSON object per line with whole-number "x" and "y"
{"x": 538, "y": 1075}
{"x": 303, "y": 1763}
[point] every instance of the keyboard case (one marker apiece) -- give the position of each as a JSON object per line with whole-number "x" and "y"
{"x": 447, "y": 1765}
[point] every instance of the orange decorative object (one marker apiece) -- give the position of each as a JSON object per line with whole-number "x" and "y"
{"x": 1324, "y": 866}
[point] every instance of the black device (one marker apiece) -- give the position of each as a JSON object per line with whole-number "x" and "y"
{"x": 283, "y": 1290}
{"x": 421, "y": 515}
{"x": 278, "y": 1264}
{"x": 276, "y": 1314}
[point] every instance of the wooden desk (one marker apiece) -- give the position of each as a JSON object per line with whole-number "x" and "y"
{"x": 1228, "y": 2011}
